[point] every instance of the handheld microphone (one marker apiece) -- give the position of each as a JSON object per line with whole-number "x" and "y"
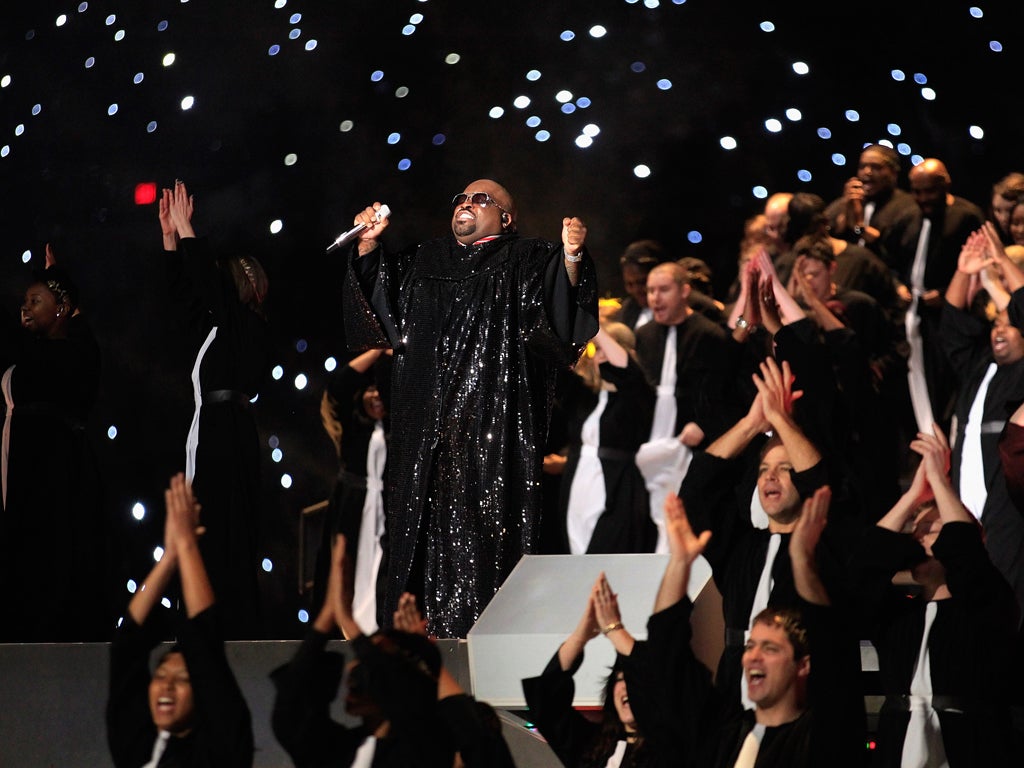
{"x": 347, "y": 237}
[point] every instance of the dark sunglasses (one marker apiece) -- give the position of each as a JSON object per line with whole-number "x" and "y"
{"x": 481, "y": 199}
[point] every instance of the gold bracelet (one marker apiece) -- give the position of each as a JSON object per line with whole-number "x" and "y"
{"x": 611, "y": 627}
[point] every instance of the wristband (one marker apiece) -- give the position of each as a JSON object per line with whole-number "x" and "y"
{"x": 611, "y": 627}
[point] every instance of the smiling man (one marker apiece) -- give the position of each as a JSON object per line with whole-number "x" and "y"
{"x": 988, "y": 362}
{"x": 689, "y": 358}
{"x": 751, "y": 565}
{"x": 802, "y": 716}
{"x": 480, "y": 321}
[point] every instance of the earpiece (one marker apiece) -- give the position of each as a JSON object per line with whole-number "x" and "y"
{"x": 505, "y": 219}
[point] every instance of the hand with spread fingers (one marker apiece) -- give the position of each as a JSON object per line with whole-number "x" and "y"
{"x": 407, "y": 617}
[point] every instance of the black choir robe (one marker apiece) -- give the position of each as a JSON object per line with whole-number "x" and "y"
{"x": 706, "y": 366}
{"x": 221, "y": 736}
{"x": 716, "y": 493}
{"x": 625, "y": 525}
{"x": 227, "y": 476}
{"x": 710, "y": 722}
{"x": 478, "y": 333}
{"x": 973, "y": 661}
{"x": 968, "y": 347}
{"x": 53, "y": 537}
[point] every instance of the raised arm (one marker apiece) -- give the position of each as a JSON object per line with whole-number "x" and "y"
{"x": 975, "y": 257}
{"x": 735, "y": 440}
{"x": 337, "y": 607}
{"x": 180, "y": 207}
{"x": 574, "y": 233}
{"x": 803, "y": 544}
{"x": 606, "y": 611}
{"x": 585, "y": 631}
{"x": 615, "y": 352}
{"x": 182, "y": 532}
{"x": 1012, "y": 274}
{"x": 375, "y": 227}
{"x": 934, "y": 452}
{"x": 775, "y": 387}
{"x": 789, "y": 310}
{"x": 167, "y": 229}
{"x": 407, "y": 618}
{"x": 746, "y": 312}
{"x": 684, "y": 547}
{"x": 148, "y": 595}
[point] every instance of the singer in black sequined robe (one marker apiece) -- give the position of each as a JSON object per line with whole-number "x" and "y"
{"x": 478, "y": 331}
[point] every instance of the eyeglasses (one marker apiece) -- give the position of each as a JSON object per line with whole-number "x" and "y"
{"x": 481, "y": 199}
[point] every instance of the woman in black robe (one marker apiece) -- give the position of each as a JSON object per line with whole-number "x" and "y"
{"x": 223, "y": 301}
{"x": 51, "y": 533}
{"x": 609, "y": 406}
{"x": 190, "y": 711}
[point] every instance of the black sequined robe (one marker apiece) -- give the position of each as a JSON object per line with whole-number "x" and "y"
{"x": 479, "y": 333}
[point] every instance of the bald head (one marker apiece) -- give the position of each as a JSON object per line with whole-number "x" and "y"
{"x": 930, "y": 183}
{"x": 471, "y": 221}
{"x": 776, "y": 208}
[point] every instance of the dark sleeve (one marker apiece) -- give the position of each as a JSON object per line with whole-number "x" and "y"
{"x": 960, "y": 333}
{"x": 970, "y": 573}
{"x": 670, "y": 690}
{"x": 64, "y": 372}
{"x": 809, "y": 480}
{"x": 1015, "y": 310}
{"x": 406, "y": 694}
{"x": 572, "y": 309}
{"x": 476, "y": 729}
{"x": 301, "y": 717}
{"x": 130, "y": 729}
{"x": 207, "y": 285}
{"x": 710, "y": 493}
{"x": 549, "y": 699}
{"x": 879, "y": 555}
{"x": 833, "y": 688}
{"x": 801, "y": 345}
{"x": 344, "y": 384}
{"x": 368, "y": 302}
{"x": 1011, "y": 456}
{"x": 179, "y": 287}
{"x": 220, "y": 708}
{"x": 632, "y": 384}
{"x": 555, "y": 318}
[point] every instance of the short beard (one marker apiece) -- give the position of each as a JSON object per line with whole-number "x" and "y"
{"x": 464, "y": 227}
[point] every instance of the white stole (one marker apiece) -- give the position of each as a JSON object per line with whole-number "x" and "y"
{"x": 919, "y": 397}
{"x": 973, "y": 492}
{"x": 158, "y": 749}
{"x": 645, "y": 316}
{"x": 751, "y": 746}
{"x": 922, "y": 745}
{"x": 5, "y": 383}
{"x": 192, "y": 441}
{"x": 369, "y": 552}
{"x": 364, "y": 755}
{"x": 616, "y": 759}
{"x": 587, "y": 495}
{"x": 665, "y": 407}
{"x": 663, "y": 460}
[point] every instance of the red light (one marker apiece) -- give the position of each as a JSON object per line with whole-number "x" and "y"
{"x": 145, "y": 193}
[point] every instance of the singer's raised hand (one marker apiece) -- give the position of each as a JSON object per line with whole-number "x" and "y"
{"x": 375, "y": 225}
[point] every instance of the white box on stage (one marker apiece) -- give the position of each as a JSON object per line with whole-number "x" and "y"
{"x": 542, "y": 601}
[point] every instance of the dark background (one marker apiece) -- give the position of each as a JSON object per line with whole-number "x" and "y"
{"x": 68, "y": 174}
